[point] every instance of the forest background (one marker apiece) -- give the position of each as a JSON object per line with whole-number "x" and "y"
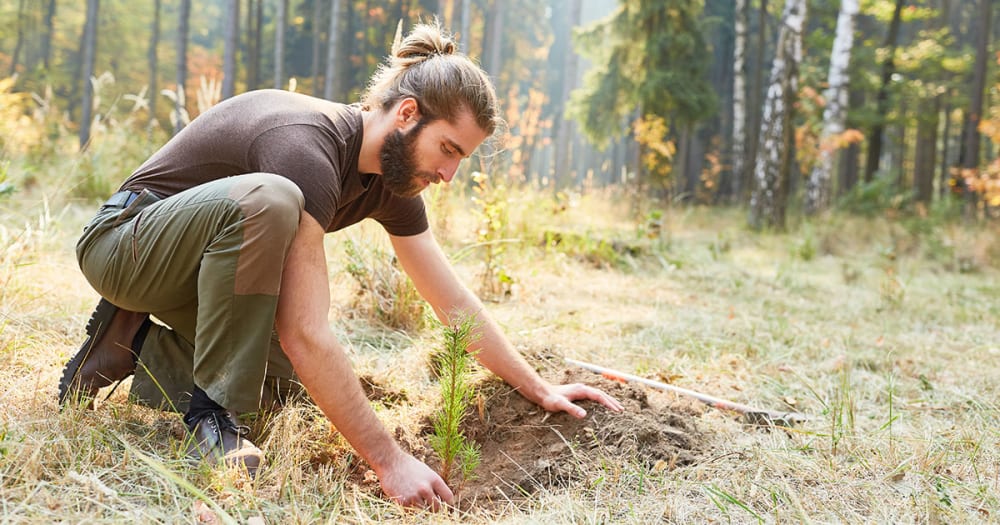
{"x": 788, "y": 204}
{"x": 672, "y": 99}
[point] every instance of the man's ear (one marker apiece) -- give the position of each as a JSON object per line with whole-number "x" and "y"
{"x": 407, "y": 113}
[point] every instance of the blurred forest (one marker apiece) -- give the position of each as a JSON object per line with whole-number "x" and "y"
{"x": 781, "y": 107}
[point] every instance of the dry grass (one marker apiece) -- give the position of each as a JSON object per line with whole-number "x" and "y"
{"x": 889, "y": 338}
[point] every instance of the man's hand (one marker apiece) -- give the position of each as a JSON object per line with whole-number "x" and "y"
{"x": 409, "y": 482}
{"x": 560, "y": 399}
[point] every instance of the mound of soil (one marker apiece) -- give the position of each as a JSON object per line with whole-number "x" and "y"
{"x": 524, "y": 449}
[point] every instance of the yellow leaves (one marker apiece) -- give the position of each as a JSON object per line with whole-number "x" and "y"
{"x": 651, "y": 132}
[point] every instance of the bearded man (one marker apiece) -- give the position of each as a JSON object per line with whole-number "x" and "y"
{"x": 219, "y": 236}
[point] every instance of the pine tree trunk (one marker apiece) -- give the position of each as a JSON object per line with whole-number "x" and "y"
{"x": 495, "y": 38}
{"x": 739, "y": 100}
{"x": 925, "y": 162}
{"x": 89, "y": 53}
{"x": 331, "y": 86}
{"x": 279, "y": 44}
{"x": 231, "y": 36}
{"x": 818, "y": 188}
{"x": 317, "y": 46}
{"x": 882, "y": 100}
{"x": 183, "y": 27}
{"x": 154, "y": 43}
{"x": 944, "y": 173}
{"x": 772, "y": 171}
{"x": 970, "y": 149}
{"x": 466, "y": 25}
{"x": 20, "y": 38}
{"x": 50, "y": 14}
{"x": 563, "y": 127}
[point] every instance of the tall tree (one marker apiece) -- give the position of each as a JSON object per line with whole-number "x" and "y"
{"x": 874, "y": 156}
{"x": 756, "y": 99}
{"x": 253, "y": 34}
{"x": 280, "y": 24}
{"x": 835, "y": 113}
{"x": 89, "y": 53}
{"x": 970, "y": 133}
{"x": 563, "y": 61}
{"x": 48, "y": 31}
{"x": 331, "y": 85}
{"x": 183, "y": 28}
{"x": 317, "y": 41}
{"x": 493, "y": 47}
{"x": 772, "y": 174}
{"x": 466, "y": 25}
{"x": 21, "y": 21}
{"x": 739, "y": 98}
{"x": 231, "y": 37}
{"x": 154, "y": 43}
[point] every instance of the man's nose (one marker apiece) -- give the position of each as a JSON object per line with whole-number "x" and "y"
{"x": 447, "y": 172}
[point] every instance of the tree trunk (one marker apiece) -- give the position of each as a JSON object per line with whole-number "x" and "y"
{"x": 970, "y": 149}
{"x": 183, "y": 27}
{"x": 20, "y": 38}
{"x": 317, "y": 45}
{"x": 232, "y": 41}
{"x": 943, "y": 172}
{"x": 756, "y": 102}
{"x": 739, "y": 100}
{"x": 279, "y": 44}
{"x": 332, "y": 86}
{"x": 773, "y": 169}
{"x": 466, "y": 25}
{"x": 89, "y": 53}
{"x": 50, "y": 14}
{"x": 818, "y": 188}
{"x": 925, "y": 163}
{"x": 154, "y": 43}
{"x": 493, "y": 48}
{"x": 882, "y": 100}
{"x": 563, "y": 127}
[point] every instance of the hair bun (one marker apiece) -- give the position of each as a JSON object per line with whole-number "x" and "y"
{"x": 424, "y": 42}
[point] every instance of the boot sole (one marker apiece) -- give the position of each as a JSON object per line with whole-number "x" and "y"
{"x": 99, "y": 320}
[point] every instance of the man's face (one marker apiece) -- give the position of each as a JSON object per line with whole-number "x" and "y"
{"x": 426, "y": 152}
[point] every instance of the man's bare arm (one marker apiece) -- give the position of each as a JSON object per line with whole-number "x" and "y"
{"x": 432, "y": 274}
{"x": 324, "y": 369}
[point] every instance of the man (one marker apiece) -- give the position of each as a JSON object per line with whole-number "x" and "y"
{"x": 219, "y": 235}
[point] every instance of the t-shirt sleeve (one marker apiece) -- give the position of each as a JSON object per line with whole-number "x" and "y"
{"x": 296, "y": 153}
{"x": 402, "y": 216}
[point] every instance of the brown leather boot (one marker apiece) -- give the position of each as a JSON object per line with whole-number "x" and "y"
{"x": 216, "y": 437}
{"x": 105, "y": 357}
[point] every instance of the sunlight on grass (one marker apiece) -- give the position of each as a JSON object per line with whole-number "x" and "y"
{"x": 901, "y": 382}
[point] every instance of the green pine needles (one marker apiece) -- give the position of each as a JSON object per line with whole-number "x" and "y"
{"x": 453, "y": 365}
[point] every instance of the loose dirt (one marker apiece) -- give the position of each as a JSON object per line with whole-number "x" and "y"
{"x": 524, "y": 449}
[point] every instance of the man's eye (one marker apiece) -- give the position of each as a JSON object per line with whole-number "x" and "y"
{"x": 447, "y": 151}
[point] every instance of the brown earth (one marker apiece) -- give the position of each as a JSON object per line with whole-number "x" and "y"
{"x": 524, "y": 449}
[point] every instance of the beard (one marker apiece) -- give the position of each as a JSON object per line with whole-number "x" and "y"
{"x": 398, "y": 161}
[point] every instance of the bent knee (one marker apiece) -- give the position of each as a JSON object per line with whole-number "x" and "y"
{"x": 269, "y": 198}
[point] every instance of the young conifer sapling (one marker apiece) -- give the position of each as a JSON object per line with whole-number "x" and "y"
{"x": 453, "y": 365}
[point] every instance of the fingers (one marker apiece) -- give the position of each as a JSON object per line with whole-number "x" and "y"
{"x": 577, "y": 392}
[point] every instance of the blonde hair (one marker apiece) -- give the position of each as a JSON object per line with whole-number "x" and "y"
{"x": 427, "y": 66}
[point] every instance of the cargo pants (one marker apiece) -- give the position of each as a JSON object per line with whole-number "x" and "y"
{"x": 207, "y": 264}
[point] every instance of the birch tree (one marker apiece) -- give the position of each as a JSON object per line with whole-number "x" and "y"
{"x": 153, "y": 58}
{"x": 179, "y": 115}
{"x": 970, "y": 133}
{"x": 835, "y": 113}
{"x": 739, "y": 98}
{"x": 772, "y": 172}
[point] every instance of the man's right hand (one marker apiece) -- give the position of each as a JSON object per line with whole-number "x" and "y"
{"x": 411, "y": 483}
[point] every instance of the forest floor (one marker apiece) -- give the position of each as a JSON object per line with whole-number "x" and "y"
{"x": 885, "y": 332}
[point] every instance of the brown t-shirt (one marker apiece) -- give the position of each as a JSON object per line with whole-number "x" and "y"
{"x": 312, "y": 142}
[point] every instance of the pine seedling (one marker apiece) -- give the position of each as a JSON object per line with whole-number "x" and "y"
{"x": 453, "y": 365}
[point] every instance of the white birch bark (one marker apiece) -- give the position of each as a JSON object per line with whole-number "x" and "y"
{"x": 739, "y": 100}
{"x": 231, "y": 38}
{"x": 835, "y": 115}
{"x": 769, "y": 197}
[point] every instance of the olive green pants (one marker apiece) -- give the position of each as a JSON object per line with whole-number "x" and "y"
{"x": 207, "y": 264}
